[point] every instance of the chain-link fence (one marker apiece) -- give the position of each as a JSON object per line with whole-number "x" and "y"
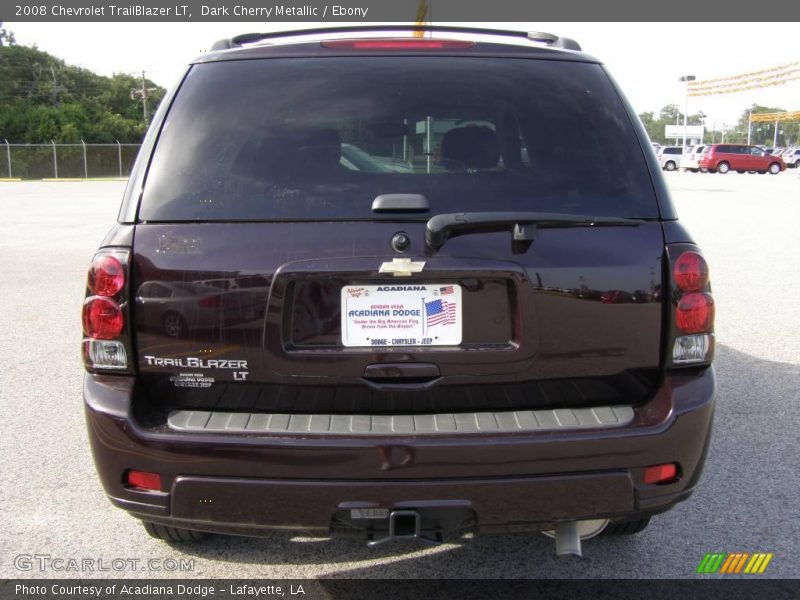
{"x": 66, "y": 161}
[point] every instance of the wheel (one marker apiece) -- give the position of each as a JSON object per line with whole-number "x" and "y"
{"x": 738, "y": 171}
{"x": 723, "y": 168}
{"x": 670, "y": 166}
{"x": 774, "y": 168}
{"x": 173, "y": 325}
{"x": 174, "y": 534}
{"x": 693, "y": 170}
{"x": 626, "y": 527}
{"x": 751, "y": 172}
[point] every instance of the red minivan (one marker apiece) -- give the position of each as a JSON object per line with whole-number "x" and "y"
{"x": 724, "y": 157}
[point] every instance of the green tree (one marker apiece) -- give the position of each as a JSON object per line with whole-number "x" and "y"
{"x": 6, "y": 36}
{"x": 44, "y": 99}
{"x": 763, "y": 133}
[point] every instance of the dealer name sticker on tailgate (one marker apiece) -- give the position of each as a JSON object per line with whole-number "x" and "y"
{"x": 401, "y": 315}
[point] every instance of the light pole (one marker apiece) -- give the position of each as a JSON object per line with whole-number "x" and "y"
{"x": 686, "y": 79}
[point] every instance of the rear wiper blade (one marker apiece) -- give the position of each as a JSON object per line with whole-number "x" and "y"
{"x": 523, "y": 225}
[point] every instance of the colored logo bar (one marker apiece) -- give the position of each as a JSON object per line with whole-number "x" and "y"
{"x": 735, "y": 562}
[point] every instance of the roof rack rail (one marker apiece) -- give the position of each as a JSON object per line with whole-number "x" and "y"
{"x": 536, "y": 36}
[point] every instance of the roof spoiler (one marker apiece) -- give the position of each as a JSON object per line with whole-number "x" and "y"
{"x": 536, "y": 36}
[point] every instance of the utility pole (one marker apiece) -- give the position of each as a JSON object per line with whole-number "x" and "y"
{"x": 142, "y": 93}
{"x": 686, "y": 79}
{"x": 749, "y": 124}
{"x": 57, "y": 89}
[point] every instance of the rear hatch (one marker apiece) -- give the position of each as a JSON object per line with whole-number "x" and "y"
{"x": 301, "y": 247}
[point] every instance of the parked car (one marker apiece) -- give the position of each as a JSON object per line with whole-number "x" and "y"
{"x": 791, "y": 157}
{"x": 689, "y": 160}
{"x": 494, "y": 344}
{"x": 669, "y": 157}
{"x": 721, "y": 158}
{"x": 179, "y": 307}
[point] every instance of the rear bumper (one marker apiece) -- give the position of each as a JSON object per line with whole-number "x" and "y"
{"x": 247, "y": 484}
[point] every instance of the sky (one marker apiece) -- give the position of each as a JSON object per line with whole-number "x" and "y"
{"x": 646, "y": 59}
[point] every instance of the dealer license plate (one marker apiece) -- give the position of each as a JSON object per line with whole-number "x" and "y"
{"x": 401, "y": 315}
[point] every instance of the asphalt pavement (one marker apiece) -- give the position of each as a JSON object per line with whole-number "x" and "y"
{"x": 52, "y": 505}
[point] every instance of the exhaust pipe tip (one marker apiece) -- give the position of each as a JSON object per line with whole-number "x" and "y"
{"x": 567, "y": 539}
{"x": 568, "y": 534}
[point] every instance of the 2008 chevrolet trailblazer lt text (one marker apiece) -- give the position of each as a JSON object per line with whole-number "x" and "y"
{"x": 357, "y": 286}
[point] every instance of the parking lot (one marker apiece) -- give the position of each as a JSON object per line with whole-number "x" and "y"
{"x": 52, "y": 504}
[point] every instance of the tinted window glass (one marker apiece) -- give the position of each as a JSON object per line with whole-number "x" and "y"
{"x": 319, "y": 139}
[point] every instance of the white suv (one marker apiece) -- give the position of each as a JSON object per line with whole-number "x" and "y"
{"x": 688, "y": 160}
{"x": 669, "y": 157}
{"x": 791, "y": 157}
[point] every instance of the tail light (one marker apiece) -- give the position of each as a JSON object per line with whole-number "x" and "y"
{"x": 691, "y": 307}
{"x": 666, "y": 473}
{"x": 105, "y": 312}
{"x": 102, "y": 318}
{"x": 397, "y": 44}
{"x": 144, "y": 480}
{"x": 214, "y": 301}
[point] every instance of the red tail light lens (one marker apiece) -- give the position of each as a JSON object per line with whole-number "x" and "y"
{"x": 661, "y": 473}
{"x": 695, "y": 313}
{"x": 210, "y": 301}
{"x": 144, "y": 480}
{"x": 410, "y": 44}
{"x": 690, "y": 272}
{"x": 102, "y": 318}
{"x": 106, "y": 276}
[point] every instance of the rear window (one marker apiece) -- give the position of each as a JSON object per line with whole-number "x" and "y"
{"x": 319, "y": 139}
{"x": 673, "y": 151}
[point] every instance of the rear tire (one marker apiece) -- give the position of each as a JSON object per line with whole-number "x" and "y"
{"x": 627, "y": 527}
{"x": 723, "y": 168}
{"x": 670, "y": 165}
{"x": 774, "y": 168}
{"x": 175, "y": 535}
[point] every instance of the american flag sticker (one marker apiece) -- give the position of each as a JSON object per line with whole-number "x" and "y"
{"x": 440, "y": 312}
{"x": 446, "y": 290}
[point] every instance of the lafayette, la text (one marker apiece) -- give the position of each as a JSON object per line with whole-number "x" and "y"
{"x": 148, "y": 589}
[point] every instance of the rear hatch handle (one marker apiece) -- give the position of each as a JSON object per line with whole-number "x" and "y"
{"x": 400, "y": 203}
{"x": 523, "y": 225}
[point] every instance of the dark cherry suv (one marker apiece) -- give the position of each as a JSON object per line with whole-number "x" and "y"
{"x": 357, "y": 285}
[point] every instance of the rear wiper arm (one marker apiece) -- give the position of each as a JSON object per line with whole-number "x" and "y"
{"x": 523, "y": 225}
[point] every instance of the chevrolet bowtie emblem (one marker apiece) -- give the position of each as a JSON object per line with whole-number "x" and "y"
{"x": 402, "y": 267}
